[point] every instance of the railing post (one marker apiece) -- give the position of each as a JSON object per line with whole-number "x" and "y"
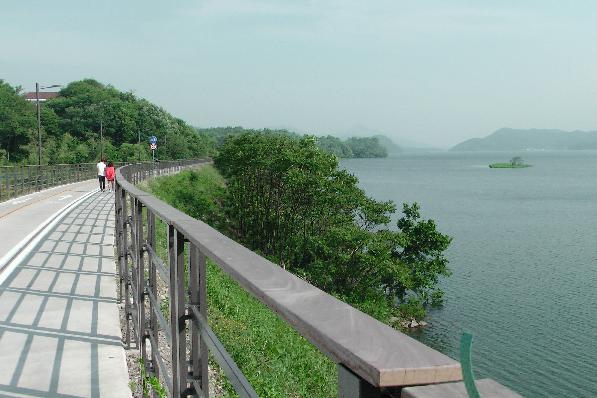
{"x": 6, "y": 183}
{"x": 125, "y": 268}
{"x": 153, "y": 287}
{"x": 177, "y": 312}
{"x": 351, "y": 385}
{"x": 139, "y": 253}
{"x": 198, "y": 296}
{"x": 118, "y": 225}
{"x": 22, "y": 175}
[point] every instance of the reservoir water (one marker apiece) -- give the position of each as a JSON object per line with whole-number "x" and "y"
{"x": 523, "y": 256}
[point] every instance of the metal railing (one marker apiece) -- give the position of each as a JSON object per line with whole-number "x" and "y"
{"x": 22, "y": 180}
{"x": 373, "y": 359}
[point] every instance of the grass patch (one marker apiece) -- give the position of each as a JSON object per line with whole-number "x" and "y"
{"x": 276, "y": 360}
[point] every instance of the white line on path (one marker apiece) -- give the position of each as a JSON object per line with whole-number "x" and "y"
{"x": 16, "y": 202}
{"x": 17, "y": 254}
{"x": 65, "y": 197}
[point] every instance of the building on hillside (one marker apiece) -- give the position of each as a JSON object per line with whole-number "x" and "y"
{"x": 43, "y": 96}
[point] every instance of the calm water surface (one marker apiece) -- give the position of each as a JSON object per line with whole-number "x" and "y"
{"x": 523, "y": 256}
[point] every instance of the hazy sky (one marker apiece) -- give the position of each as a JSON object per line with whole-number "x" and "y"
{"x": 435, "y": 72}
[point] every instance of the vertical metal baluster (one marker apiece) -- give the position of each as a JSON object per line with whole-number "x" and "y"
{"x": 22, "y": 183}
{"x": 118, "y": 225}
{"x": 153, "y": 286}
{"x": 6, "y": 181}
{"x": 125, "y": 269}
{"x": 132, "y": 275}
{"x": 198, "y": 296}
{"x": 12, "y": 182}
{"x": 141, "y": 284}
{"x": 177, "y": 312}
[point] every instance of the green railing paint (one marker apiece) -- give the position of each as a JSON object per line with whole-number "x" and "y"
{"x": 466, "y": 342}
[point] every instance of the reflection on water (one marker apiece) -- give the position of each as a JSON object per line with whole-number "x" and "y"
{"x": 524, "y": 258}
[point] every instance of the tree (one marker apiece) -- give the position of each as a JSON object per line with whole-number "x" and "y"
{"x": 17, "y": 122}
{"x": 334, "y": 146}
{"x": 288, "y": 200}
{"x": 366, "y": 147}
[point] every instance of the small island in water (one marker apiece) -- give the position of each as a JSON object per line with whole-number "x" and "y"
{"x": 515, "y": 163}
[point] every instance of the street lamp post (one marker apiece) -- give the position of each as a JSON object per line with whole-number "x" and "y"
{"x": 101, "y": 139}
{"x": 139, "y": 146}
{"x": 38, "y": 125}
{"x": 37, "y": 88}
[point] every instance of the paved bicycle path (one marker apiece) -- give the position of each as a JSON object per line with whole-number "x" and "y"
{"x": 59, "y": 324}
{"x": 20, "y": 216}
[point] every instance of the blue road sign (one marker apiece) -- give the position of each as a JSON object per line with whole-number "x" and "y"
{"x": 153, "y": 139}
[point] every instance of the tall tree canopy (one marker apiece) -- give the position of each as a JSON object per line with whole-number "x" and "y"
{"x": 17, "y": 123}
{"x": 83, "y": 105}
{"x": 288, "y": 200}
{"x": 367, "y": 147}
{"x": 71, "y": 127}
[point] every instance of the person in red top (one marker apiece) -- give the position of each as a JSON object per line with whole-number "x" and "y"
{"x": 110, "y": 175}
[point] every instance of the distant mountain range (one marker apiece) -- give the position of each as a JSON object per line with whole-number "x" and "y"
{"x": 394, "y": 145}
{"x": 507, "y": 139}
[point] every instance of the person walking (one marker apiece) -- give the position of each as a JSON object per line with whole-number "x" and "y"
{"x": 101, "y": 174}
{"x": 110, "y": 175}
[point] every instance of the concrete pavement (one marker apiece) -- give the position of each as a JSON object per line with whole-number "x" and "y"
{"x": 59, "y": 324}
{"x": 20, "y": 216}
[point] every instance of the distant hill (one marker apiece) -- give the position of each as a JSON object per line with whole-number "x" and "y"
{"x": 507, "y": 139}
{"x": 353, "y": 147}
{"x": 387, "y": 143}
{"x": 397, "y": 144}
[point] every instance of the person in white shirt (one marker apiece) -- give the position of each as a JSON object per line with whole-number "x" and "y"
{"x": 101, "y": 174}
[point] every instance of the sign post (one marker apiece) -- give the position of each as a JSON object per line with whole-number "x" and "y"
{"x": 153, "y": 145}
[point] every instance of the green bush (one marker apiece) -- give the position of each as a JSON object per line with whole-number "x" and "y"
{"x": 196, "y": 193}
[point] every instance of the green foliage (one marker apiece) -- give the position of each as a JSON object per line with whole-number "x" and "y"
{"x": 334, "y": 146}
{"x": 67, "y": 149}
{"x": 71, "y": 127}
{"x": 198, "y": 194}
{"x": 366, "y": 147}
{"x": 150, "y": 383}
{"x": 412, "y": 308}
{"x": 219, "y": 135}
{"x": 369, "y": 147}
{"x": 287, "y": 200}
{"x": 17, "y": 123}
{"x": 82, "y": 105}
{"x": 276, "y": 360}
